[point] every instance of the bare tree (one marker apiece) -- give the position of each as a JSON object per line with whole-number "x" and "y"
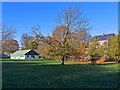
{"x": 69, "y": 23}
{"x": 26, "y": 39}
{"x": 7, "y": 32}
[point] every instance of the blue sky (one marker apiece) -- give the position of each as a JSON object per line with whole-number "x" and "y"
{"x": 102, "y": 16}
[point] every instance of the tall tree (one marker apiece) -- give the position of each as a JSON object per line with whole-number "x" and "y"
{"x": 6, "y": 33}
{"x": 69, "y": 22}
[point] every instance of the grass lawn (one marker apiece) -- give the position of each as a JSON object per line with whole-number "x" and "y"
{"x": 50, "y": 74}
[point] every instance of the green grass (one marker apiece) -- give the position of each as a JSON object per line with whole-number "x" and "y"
{"x": 50, "y": 74}
{"x": 8, "y": 59}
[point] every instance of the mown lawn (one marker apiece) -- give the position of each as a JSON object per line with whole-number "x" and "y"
{"x": 50, "y": 74}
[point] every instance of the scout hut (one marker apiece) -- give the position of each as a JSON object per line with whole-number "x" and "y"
{"x": 25, "y": 54}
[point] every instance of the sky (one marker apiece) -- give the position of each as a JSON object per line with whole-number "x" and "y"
{"x": 102, "y": 16}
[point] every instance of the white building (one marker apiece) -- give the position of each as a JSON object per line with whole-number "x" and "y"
{"x": 25, "y": 54}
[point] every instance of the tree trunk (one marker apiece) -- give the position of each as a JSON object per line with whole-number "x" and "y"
{"x": 93, "y": 61}
{"x": 116, "y": 61}
{"x": 62, "y": 60}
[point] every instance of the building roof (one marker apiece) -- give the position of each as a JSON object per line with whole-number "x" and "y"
{"x": 104, "y": 36}
{"x": 21, "y": 52}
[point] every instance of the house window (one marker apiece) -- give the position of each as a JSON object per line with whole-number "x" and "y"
{"x": 27, "y": 55}
{"x": 21, "y": 55}
{"x": 15, "y": 56}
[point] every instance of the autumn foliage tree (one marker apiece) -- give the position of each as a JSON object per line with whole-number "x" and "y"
{"x": 94, "y": 50}
{"x": 113, "y": 48}
{"x": 46, "y": 51}
{"x": 10, "y": 46}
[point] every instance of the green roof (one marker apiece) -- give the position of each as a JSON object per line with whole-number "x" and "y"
{"x": 21, "y": 52}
